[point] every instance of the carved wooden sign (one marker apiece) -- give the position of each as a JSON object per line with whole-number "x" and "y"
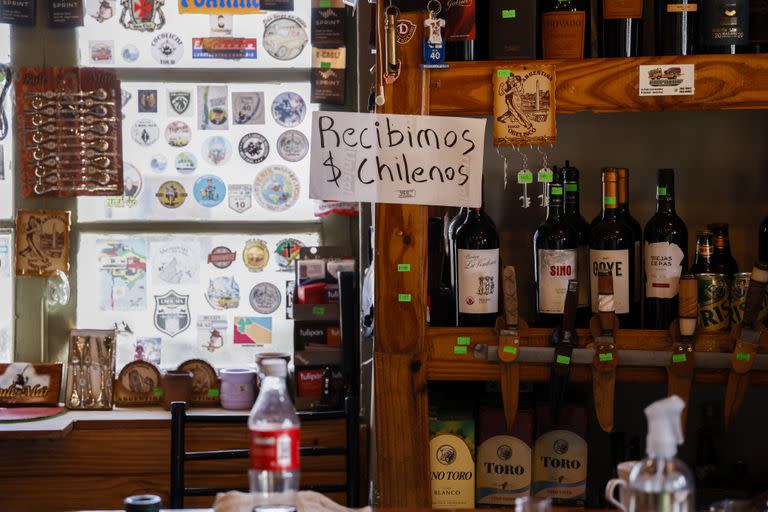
{"x": 138, "y": 384}
{"x": 28, "y": 383}
{"x": 205, "y": 382}
{"x": 524, "y": 105}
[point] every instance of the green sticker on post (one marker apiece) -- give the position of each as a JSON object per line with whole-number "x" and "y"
{"x": 403, "y": 267}
{"x": 571, "y": 187}
{"x": 158, "y": 391}
{"x": 503, "y": 73}
{"x": 606, "y": 357}
{"x": 561, "y": 359}
{"x": 463, "y": 340}
{"x": 318, "y": 310}
{"x": 679, "y": 358}
{"x": 325, "y": 65}
{"x": 404, "y": 297}
{"x": 610, "y": 200}
{"x": 509, "y": 350}
{"x": 461, "y": 351}
{"x": 324, "y": 4}
{"x": 214, "y": 392}
{"x": 743, "y": 356}
{"x": 508, "y": 13}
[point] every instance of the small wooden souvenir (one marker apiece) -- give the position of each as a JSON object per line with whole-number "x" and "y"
{"x": 138, "y": 385}
{"x": 524, "y": 105}
{"x": 91, "y": 369}
{"x": 205, "y": 382}
{"x": 30, "y": 383}
{"x": 42, "y": 243}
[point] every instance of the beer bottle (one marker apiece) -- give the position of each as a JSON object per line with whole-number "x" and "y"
{"x": 704, "y": 250}
{"x": 724, "y": 262}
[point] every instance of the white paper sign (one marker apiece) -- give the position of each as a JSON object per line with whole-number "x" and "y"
{"x": 667, "y": 80}
{"x": 392, "y": 158}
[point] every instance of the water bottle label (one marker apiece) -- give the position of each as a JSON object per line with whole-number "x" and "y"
{"x": 275, "y": 450}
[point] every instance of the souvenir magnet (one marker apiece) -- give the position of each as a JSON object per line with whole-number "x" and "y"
{"x": 42, "y": 243}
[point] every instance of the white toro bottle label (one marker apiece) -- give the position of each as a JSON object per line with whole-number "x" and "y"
{"x": 560, "y": 466}
{"x": 452, "y": 472}
{"x": 503, "y": 471}
{"x": 663, "y": 266}
{"x": 556, "y": 268}
{"x": 478, "y": 281}
{"x": 617, "y": 262}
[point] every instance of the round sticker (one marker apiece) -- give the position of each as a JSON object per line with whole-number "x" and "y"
{"x": 255, "y": 255}
{"x": 130, "y": 53}
{"x": 253, "y": 148}
{"x": 286, "y": 252}
{"x": 221, "y": 257}
{"x": 178, "y": 134}
{"x": 292, "y": 145}
{"x": 167, "y": 48}
{"x": 185, "y": 162}
{"x": 145, "y": 132}
{"x": 276, "y": 188}
{"x": 132, "y": 181}
{"x": 265, "y": 298}
{"x": 217, "y": 150}
{"x": 209, "y": 190}
{"x": 289, "y": 109}
{"x": 171, "y": 194}
{"x": 284, "y": 37}
{"x": 158, "y": 163}
{"x": 223, "y": 293}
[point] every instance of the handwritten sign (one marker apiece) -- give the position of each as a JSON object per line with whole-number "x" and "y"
{"x": 391, "y": 158}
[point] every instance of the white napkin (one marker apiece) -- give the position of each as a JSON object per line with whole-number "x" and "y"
{"x": 306, "y": 501}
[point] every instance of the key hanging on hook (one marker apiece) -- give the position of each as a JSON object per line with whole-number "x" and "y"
{"x": 391, "y": 62}
{"x": 524, "y": 178}
{"x": 544, "y": 176}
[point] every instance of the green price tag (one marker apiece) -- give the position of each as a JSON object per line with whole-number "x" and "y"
{"x": 661, "y": 191}
{"x": 324, "y": 4}
{"x": 610, "y": 200}
{"x": 403, "y": 267}
{"x": 463, "y": 340}
{"x": 318, "y": 310}
{"x": 509, "y": 349}
{"x": 508, "y": 13}
{"x": 524, "y": 177}
{"x": 545, "y": 176}
{"x": 741, "y": 356}
{"x": 679, "y": 358}
{"x": 461, "y": 351}
{"x": 404, "y": 297}
{"x": 556, "y": 191}
{"x": 214, "y": 392}
{"x": 325, "y": 65}
{"x": 561, "y": 359}
{"x": 158, "y": 391}
{"x": 571, "y": 187}
{"x": 606, "y": 357}
{"x": 504, "y": 73}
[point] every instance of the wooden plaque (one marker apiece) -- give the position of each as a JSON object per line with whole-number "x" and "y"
{"x": 42, "y": 243}
{"x": 30, "y": 383}
{"x": 205, "y": 382}
{"x": 138, "y": 385}
{"x": 524, "y": 105}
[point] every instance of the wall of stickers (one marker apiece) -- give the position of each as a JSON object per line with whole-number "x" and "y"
{"x": 7, "y": 318}
{"x": 212, "y": 152}
{"x": 222, "y": 298}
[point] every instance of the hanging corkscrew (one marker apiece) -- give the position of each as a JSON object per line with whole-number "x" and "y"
{"x": 391, "y": 62}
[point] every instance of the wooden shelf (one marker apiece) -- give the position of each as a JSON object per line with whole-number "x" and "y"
{"x": 610, "y": 85}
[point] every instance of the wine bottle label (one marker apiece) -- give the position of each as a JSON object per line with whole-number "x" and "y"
{"x": 725, "y": 22}
{"x": 478, "y": 291}
{"x": 459, "y": 18}
{"x": 563, "y": 34}
{"x": 616, "y": 262}
{"x": 275, "y": 450}
{"x": 582, "y": 268}
{"x": 503, "y": 470}
{"x": 638, "y": 275}
{"x": 686, "y": 7}
{"x": 556, "y": 268}
{"x": 621, "y": 9}
{"x": 560, "y": 466}
{"x": 452, "y": 472}
{"x": 663, "y": 266}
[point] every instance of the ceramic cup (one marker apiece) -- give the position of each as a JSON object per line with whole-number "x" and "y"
{"x": 623, "y": 470}
{"x": 238, "y": 388}
{"x": 177, "y": 387}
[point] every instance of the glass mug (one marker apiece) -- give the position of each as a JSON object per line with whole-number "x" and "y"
{"x": 623, "y": 470}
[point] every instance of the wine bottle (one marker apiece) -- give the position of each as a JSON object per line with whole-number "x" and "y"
{"x": 573, "y": 215}
{"x": 637, "y": 230}
{"x": 477, "y": 270}
{"x": 665, "y": 256}
{"x": 763, "y": 241}
{"x": 723, "y": 261}
{"x": 453, "y": 225}
{"x": 621, "y": 28}
{"x": 461, "y": 30}
{"x": 612, "y": 249}
{"x": 555, "y": 258}
{"x": 677, "y": 26}
{"x": 564, "y": 30}
{"x": 726, "y": 25}
{"x": 758, "y": 26}
{"x": 702, "y": 264}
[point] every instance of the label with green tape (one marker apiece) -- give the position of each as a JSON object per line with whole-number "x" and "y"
{"x": 610, "y": 200}
{"x": 679, "y": 358}
{"x": 556, "y": 191}
{"x": 463, "y": 340}
{"x": 504, "y": 73}
{"x": 661, "y": 191}
{"x": 214, "y": 392}
{"x": 606, "y": 357}
{"x": 509, "y": 349}
{"x": 403, "y": 267}
{"x": 462, "y": 351}
{"x": 561, "y": 359}
{"x": 404, "y": 297}
{"x": 325, "y": 65}
{"x": 318, "y": 310}
{"x": 743, "y": 356}
{"x": 158, "y": 391}
{"x": 508, "y": 13}
{"x": 571, "y": 187}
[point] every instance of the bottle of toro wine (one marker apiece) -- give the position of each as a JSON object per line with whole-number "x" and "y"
{"x": 612, "y": 249}
{"x": 583, "y": 233}
{"x": 637, "y": 230}
{"x": 763, "y": 241}
{"x": 665, "y": 256}
{"x": 477, "y": 270}
{"x": 726, "y": 25}
{"x": 564, "y": 30}
{"x": 621, "y": 28}
{"x": 555, "y": 259}
{"x": 702, "y": 264}
{"x": 723, "y": 261}
{"x": 677, "y": 26}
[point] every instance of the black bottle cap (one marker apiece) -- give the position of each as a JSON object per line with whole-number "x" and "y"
{"x": 143, "y": 503}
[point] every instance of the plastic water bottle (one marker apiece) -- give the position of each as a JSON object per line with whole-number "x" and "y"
{"x": 274, "y": 442}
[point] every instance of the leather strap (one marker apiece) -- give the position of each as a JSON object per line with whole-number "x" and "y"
{"x": 604, "y": 383}
{"x": 510, "y": 391}
{"x": 680, "y": 374}
{"x": 738, "y": 379}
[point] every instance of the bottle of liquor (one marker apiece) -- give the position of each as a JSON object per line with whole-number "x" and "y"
{"x": 763, "y": 241}
{"x": 583, "y": 233}
{"x": 555, "y": 259}
{"x": 665, "y": 256}
{"x": 514, "y": 32}
{"x": 724, "y": 262}
{"x": 564, "y": 30}
{"x": 726, "y": 25}
{"x": 677, "y": 26}
{"x": 477, "y": 270}
{"x": 702, "y": 264}
{"x": 622, "y": 28}
{"x": 758, "y": 26}
{"x": 461, "y": 30}
{"x": 637, "y": 230}
{"x": 612, "y": 249}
